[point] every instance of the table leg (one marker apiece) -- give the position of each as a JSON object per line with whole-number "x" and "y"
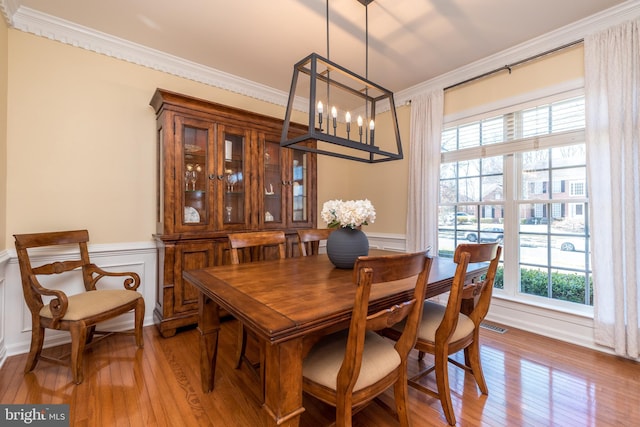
{"x": 208, "y": 326}
{"x": 283, "y": 383}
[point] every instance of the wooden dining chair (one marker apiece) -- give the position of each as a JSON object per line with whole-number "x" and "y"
{"x": 78, "y": 313}
{"x": 254, "y": 246}
{"x": 444, "y": 330}
{"x": 309, "y": 240}
{"x": 348, "y": 369}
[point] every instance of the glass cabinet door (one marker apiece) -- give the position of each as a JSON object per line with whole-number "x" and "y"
{"x": 300, "y": 185}
{"x": 273, "y": 183}
{"x": 234, "y": 207}
{"x": 194, "y": 139}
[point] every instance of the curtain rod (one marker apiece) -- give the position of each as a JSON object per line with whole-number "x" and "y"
{"x": 509, "y": 66}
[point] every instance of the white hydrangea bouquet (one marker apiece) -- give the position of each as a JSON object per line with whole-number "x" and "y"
{"x": 348, "y": 214}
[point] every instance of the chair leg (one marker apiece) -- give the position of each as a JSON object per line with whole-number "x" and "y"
{"x": 442, "y": 381}
{"x": 475, "y": 364}
{"x": 242, "y": 345}
{"x": 343, "y": 410}
{"x": 261, "y": 372}
{"x": 37, "y": 339}
{"x": 90, "y": 332}
{"x": 139, "y": 322}
{"x": 400, "y": 393}
{"x": 78, "y": 340}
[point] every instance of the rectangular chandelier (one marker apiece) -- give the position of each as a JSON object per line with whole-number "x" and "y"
{"x": 349, "y": 116}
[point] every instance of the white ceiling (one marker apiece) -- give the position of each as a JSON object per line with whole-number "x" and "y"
{"x": 410, "y": 41}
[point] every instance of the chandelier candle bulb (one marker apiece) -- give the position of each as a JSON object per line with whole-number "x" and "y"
{"x": 347, "y": 118}
{"x": 334, "y": 115}
{"x": 320, "y": 115}
{"x": 371, "y": 129}
{"x": 360, "y": 127}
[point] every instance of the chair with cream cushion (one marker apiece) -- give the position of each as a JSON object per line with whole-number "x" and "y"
{"x": 444, "y": 330}
{"x": 78, "y": 313}
{"x": 348, "y": 369}
{"x": 309, "y": 240}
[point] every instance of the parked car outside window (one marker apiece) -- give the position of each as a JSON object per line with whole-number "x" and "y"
{"x": 488, "y": 234}
{"x": 461, "y": 218}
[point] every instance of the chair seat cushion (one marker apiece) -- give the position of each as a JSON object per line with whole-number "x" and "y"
{"x": 88, "y": 304}
{"x": 325, "y": 359}
{"x": 432, "y": 316}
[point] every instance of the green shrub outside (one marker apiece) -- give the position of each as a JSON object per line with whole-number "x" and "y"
{"x": 565, "y": 287}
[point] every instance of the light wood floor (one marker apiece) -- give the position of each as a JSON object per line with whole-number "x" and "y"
{"x": 533, "y": 381}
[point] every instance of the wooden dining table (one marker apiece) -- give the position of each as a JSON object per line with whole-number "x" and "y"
{"x": 287, "y": 304}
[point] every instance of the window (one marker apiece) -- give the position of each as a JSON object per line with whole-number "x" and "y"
{"x": 520, "y": 179}
{"x": 577, "y": 189}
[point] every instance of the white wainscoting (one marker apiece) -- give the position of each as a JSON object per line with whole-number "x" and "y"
{"x": 15, "y": 320}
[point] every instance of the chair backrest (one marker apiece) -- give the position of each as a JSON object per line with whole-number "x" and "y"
{"x": 483, "y": 290}
{"x": 469, "y": 253}
{"x": 258, "y": 241}
{"x": 376, "y": 269}
{"x": 31, "y": 287}
{"x": 309, "y": 240}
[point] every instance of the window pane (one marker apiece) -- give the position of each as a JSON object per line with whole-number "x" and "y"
{"x": 469, "y": 136}
{"x": 553, "y": 254}
{"x": 449, "y": 140}
{"x": 492, "y": 165}
{"x": 447, "y": 170}
{"x": 448, "y": 191}
{"x": 568, "y": 115}
{"x": 535, "y": 160}
{"x": 535, "y": 185}
{"x": 535, "y": 121}
{"x": 493, "y": 131}
{"x": 572, "y": 155}
{"x": 492, "y": 188}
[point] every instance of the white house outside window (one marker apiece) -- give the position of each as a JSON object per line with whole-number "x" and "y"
{"x": 520, "y": 178}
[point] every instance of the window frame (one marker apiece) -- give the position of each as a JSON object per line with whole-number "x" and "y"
{"x": 510, "y": 149}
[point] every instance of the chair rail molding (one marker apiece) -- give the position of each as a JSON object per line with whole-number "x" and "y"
{"x": 5, "y": 256}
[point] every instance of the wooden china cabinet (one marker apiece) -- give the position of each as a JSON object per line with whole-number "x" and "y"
{"x": 220, "y": 170}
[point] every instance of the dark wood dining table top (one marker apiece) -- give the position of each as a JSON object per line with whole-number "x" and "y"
{"x": 282, "y": 299}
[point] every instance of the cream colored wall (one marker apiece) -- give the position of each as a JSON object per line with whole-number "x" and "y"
{"x": 3, "y": 128}
{"x": 81, "y": 140}
{"x": 562, "y": 66}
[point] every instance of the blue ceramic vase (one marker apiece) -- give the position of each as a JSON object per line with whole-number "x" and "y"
{"x": 345, "y": 245}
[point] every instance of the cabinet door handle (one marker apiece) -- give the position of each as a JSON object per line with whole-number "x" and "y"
{"x": 212, "y": 176}
{"x": 284, "y": 182}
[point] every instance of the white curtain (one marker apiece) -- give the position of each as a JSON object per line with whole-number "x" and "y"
{"x": 612, "y": 93}
{"x": 427, "y": 112}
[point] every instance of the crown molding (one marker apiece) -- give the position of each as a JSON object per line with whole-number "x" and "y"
{"x": 53, "y": 28}
{"x": 570, "y": 33}
{"x": 8, "y": 8}
{"x": 40, "y": 24}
